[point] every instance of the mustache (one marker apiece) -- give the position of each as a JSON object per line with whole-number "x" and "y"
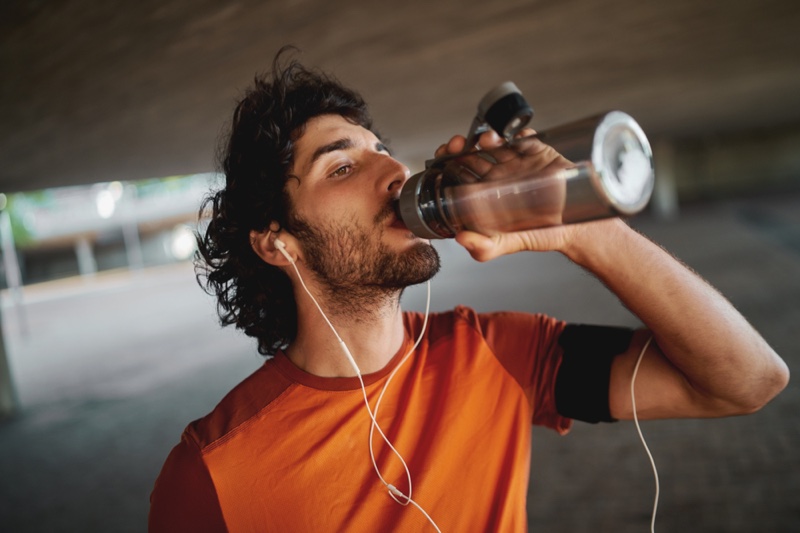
{"x": 392, "y": 207}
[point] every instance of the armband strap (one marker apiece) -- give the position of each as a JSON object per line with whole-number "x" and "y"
{"x": 582, "y": 383}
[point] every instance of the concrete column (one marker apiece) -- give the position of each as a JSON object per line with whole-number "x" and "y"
{"x": 130, "y": 230}
{"x": 87, "y": 266}
{"x": 8, "y": 393}
{"x": 11, "y": 266}
{"x": 133, "y": 246}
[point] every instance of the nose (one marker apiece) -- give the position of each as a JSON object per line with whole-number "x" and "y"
{"x": 394, "y": 175}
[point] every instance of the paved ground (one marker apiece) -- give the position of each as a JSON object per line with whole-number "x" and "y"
{"x": 111, "y": 370}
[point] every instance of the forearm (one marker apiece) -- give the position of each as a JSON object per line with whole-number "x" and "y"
{"x": 727, "y": 365}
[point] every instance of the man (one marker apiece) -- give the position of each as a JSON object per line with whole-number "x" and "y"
{"x": 304, "y": 232}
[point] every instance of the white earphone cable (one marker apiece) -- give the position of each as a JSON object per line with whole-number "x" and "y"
{"x": 641, "y": 436}
{"x": 394, "y": 492}
{"x": 380, "y": 398}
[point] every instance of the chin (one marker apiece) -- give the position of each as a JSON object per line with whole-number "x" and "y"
{"x": 422, "y": 262}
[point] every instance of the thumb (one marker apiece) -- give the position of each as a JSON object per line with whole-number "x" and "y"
{"x": 481, "y": 247}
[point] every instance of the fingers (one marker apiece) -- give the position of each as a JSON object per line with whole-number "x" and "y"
{"x": 525, "y": 153}
{"x": 480, "y": 247}
{"x": 525, "y": 132}
{"x": 488, "y": 140}
{"x": 485, "y": 248}
{"x": 453, "y": 146}
{"x": 503, "y": 152}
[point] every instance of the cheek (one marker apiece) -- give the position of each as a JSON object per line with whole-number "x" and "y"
{"x": 339, "y": 207}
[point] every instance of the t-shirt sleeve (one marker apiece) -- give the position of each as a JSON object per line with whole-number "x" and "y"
{"x": 527, "y": 346}
{"x": 184, "y": 497}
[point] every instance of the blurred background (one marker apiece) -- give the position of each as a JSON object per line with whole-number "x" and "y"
{"x": 110, "y": 115}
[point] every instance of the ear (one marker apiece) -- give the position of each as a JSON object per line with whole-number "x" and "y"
{"x": 263, "y": 244}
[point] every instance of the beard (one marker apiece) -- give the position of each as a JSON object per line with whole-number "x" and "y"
{"x": 355, "y": 267}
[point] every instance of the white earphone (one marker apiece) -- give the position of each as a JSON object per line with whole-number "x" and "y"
{"x": 281, "y": 247}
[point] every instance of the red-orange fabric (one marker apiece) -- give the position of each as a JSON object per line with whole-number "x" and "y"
{"x": 288, "y": 451}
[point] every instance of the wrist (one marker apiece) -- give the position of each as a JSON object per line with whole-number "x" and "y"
{"x": 591, "y": 241}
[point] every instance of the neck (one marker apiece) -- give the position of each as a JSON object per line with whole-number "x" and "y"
{"x": 369, "y": 323}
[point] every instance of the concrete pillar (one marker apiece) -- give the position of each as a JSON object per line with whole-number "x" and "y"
{"x": 133, "y": 246}
{"x": 665, "y": 194}
{"x": 87, "y": 266}
{"x": 8, "y": 393}
{"x": 130, "y": 230}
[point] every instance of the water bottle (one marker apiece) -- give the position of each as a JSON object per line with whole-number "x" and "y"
{"x": 602, "y": 167}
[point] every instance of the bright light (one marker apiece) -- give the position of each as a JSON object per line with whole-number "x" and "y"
{"x": 183, "y": 243}
{"x": 116, "y": 189}
{"x": 105, "y": 203}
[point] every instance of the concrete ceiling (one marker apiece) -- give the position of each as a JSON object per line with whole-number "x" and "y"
{"x": 99, "y": 91}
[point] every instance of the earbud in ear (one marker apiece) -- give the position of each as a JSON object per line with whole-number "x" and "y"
{"x": 281, "y": 247}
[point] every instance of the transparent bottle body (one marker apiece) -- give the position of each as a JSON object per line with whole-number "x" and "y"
{"x": 590, "y": 169}
{"x": 514, "y": 204}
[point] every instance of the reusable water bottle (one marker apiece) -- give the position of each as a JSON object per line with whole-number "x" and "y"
{"x": 598, "y": 167}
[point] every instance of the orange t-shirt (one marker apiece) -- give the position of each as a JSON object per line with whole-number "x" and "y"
{"x": 288, "y": 451}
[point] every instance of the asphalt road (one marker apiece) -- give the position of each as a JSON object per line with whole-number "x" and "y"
{"x": 110, "y": 370}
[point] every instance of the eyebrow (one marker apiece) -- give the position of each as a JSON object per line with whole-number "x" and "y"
{"x": 383, "y": 148}
{"x": 340, "y": 144}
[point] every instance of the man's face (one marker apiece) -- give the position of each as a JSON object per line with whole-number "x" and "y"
{"x": 342, "y": 211}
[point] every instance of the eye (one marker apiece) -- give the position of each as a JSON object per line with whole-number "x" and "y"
{"x": 343, "y": 170}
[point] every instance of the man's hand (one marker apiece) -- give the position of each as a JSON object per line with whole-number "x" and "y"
{"x": 528, "y": 155}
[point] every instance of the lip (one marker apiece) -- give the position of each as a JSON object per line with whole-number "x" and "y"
{"x": 398, "y": 223}
{"x": 395, "y": 220}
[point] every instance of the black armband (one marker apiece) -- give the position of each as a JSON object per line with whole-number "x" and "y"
{"x": 583, "y": 379}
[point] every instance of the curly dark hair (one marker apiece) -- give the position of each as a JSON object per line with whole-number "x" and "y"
{"x": 255, "y": 158}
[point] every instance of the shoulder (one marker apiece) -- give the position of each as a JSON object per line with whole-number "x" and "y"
{"x": 441, "y": 324}
{"x": 469, "y": 316}
{"x": 497, "y": 327}
{"x": 249, "y": 398}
